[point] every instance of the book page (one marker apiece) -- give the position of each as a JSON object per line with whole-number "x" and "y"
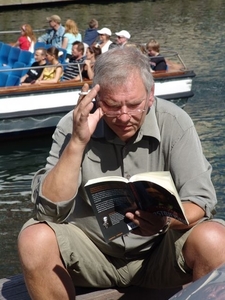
{"x": 110, "y": 201}
{"x": 163, "y": 178}
{"x": 105, "y": 179}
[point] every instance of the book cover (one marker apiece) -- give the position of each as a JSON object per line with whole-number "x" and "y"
{"x": 111, "y": 197}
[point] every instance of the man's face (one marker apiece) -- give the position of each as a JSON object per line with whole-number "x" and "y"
{"x": 102, "y": 37}
{"x": 129, "y": 102}
{"x": 51, "y": 23}
{"x": 75, "y": 51}
{"x": 38, "y": 56}
{"x": 120, "y": 40}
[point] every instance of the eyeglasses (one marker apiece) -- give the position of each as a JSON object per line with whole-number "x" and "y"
{"x": 111, "y": 112}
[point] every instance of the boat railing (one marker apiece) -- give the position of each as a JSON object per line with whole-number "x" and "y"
{"x": 19, "y": 31}
{"x": 6, "y": 34}
{"x": 64, "y": 65}
{"x": 173, "y": 59}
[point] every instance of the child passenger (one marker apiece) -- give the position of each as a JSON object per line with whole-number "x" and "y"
{"x": 157, "y": 61}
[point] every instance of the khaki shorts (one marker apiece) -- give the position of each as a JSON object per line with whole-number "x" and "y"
{"x": 88, "y": 266}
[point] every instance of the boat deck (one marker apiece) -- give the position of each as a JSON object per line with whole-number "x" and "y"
{"x": 13, "y": 288}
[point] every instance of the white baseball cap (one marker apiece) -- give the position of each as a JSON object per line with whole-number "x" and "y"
{"x": 123, "y": 33}
{"x": 105, "y": 31}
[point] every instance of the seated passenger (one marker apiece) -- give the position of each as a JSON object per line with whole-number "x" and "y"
{"x": 27, "y": 39}
{"x": 54, "y": 72}
{"x": 75, "y": 62}
{"x": 104, "y": 37}
{"x": 122, "y": 37}
{"x": 91, "y": 34}
{"x": 34, "y": 73}
{"x": 54, "y": 35}
{"x": 88, "y": 69}
{"x": 71, "y": 35}
{"x": 157, "y": 61}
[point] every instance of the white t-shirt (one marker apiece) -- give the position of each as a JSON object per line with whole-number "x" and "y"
{"x": 106, "y": 46}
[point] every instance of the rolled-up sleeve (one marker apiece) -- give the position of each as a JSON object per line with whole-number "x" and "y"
{"x": 45, "y": 209}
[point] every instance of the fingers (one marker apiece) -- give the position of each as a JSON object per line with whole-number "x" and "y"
{"x": 148, "y": 223}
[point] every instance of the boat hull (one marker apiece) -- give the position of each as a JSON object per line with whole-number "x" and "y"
{"x": 34, "y": 110}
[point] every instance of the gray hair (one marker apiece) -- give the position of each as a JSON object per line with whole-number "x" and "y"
{"x": 115, "y": 66}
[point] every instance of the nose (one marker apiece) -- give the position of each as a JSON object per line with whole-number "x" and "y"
{"x": 124, "y": 117}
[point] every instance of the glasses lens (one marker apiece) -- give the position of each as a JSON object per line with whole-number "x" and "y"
{"x": 113, "y": 114}
{"x": 116, "y": 112}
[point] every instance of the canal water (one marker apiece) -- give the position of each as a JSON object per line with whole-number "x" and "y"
{"x": 194, "y": 28}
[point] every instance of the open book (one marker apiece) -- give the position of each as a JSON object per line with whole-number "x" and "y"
{"x": 111, "y": 197}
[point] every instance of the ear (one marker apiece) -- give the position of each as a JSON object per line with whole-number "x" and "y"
{"x": 151, "y": 97}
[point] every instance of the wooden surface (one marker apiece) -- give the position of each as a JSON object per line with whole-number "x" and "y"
{"x": 13, "y": 288}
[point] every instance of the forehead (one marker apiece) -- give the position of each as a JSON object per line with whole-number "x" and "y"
{"x": 131, "y": 89}
{"x": 38, "y": 52}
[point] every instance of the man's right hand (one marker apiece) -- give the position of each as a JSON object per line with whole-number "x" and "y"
{"x": 85, "y": 123}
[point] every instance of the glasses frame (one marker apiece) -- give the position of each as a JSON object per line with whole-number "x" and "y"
{"x": 119, "y": 113}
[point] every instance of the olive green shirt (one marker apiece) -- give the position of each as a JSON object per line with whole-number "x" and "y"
{"x": 167, "y": 141}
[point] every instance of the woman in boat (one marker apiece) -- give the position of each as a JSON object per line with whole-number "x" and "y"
{"x": 27, "y": 39}
{"x": 71, "y": 35}
{"x": 54, "y": 72}
{"x": 88, "y": 70}
{"x": 104, "y": 39}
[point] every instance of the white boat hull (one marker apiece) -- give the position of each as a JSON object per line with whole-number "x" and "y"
{"x": 22, "y": 113}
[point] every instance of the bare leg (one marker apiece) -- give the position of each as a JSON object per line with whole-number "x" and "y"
{"x": 45, "y": 275}
{"x": 204, "y": 249}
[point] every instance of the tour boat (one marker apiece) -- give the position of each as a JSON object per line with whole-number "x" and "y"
{"x": 36, "y": 109}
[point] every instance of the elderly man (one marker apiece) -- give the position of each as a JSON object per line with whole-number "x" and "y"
{"x": 54, "y": 35}
{"x": 128, "y": 132}
{"x": 122, "y": 37}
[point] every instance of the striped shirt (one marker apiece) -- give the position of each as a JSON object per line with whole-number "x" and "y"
{"x": 72, "y": 70}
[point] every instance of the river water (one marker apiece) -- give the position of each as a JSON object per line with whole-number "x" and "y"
{"x": 194, "y": 28}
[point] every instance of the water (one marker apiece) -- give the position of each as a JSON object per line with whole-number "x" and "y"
{"x": 193, "y": 28}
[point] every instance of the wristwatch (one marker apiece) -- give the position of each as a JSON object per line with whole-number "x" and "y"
{"x": 166, "y": 226}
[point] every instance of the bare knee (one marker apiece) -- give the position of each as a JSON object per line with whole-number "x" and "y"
{"x": 205, "y": 239}
{"x": 36, "y": 243}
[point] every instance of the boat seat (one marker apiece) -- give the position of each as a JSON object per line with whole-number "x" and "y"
{"x": 62, "y": 55}
{"x": 18, "y": 65}
{"x": 1, "y": 43}
{"x": 12, "y": 80}
{"x": 25, "y": 57}
{"x": 4, "y": 54}
{"x": 13, "y": 56}
{"x": 3, "y": 79}
{"x": 39, "y": 45}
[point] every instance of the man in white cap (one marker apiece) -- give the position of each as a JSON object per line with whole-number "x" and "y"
{"x": 104, "y": 37}
{"x": 122, "y": 37}
{"x": 54, "y": 35}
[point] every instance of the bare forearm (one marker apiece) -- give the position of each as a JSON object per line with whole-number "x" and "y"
{"x": 90, "y": 72}
{"x": 193, "y": 212}
{"x": 61, "y": 183}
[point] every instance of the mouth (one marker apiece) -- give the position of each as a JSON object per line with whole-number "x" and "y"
{"x": 124, "y": 127}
